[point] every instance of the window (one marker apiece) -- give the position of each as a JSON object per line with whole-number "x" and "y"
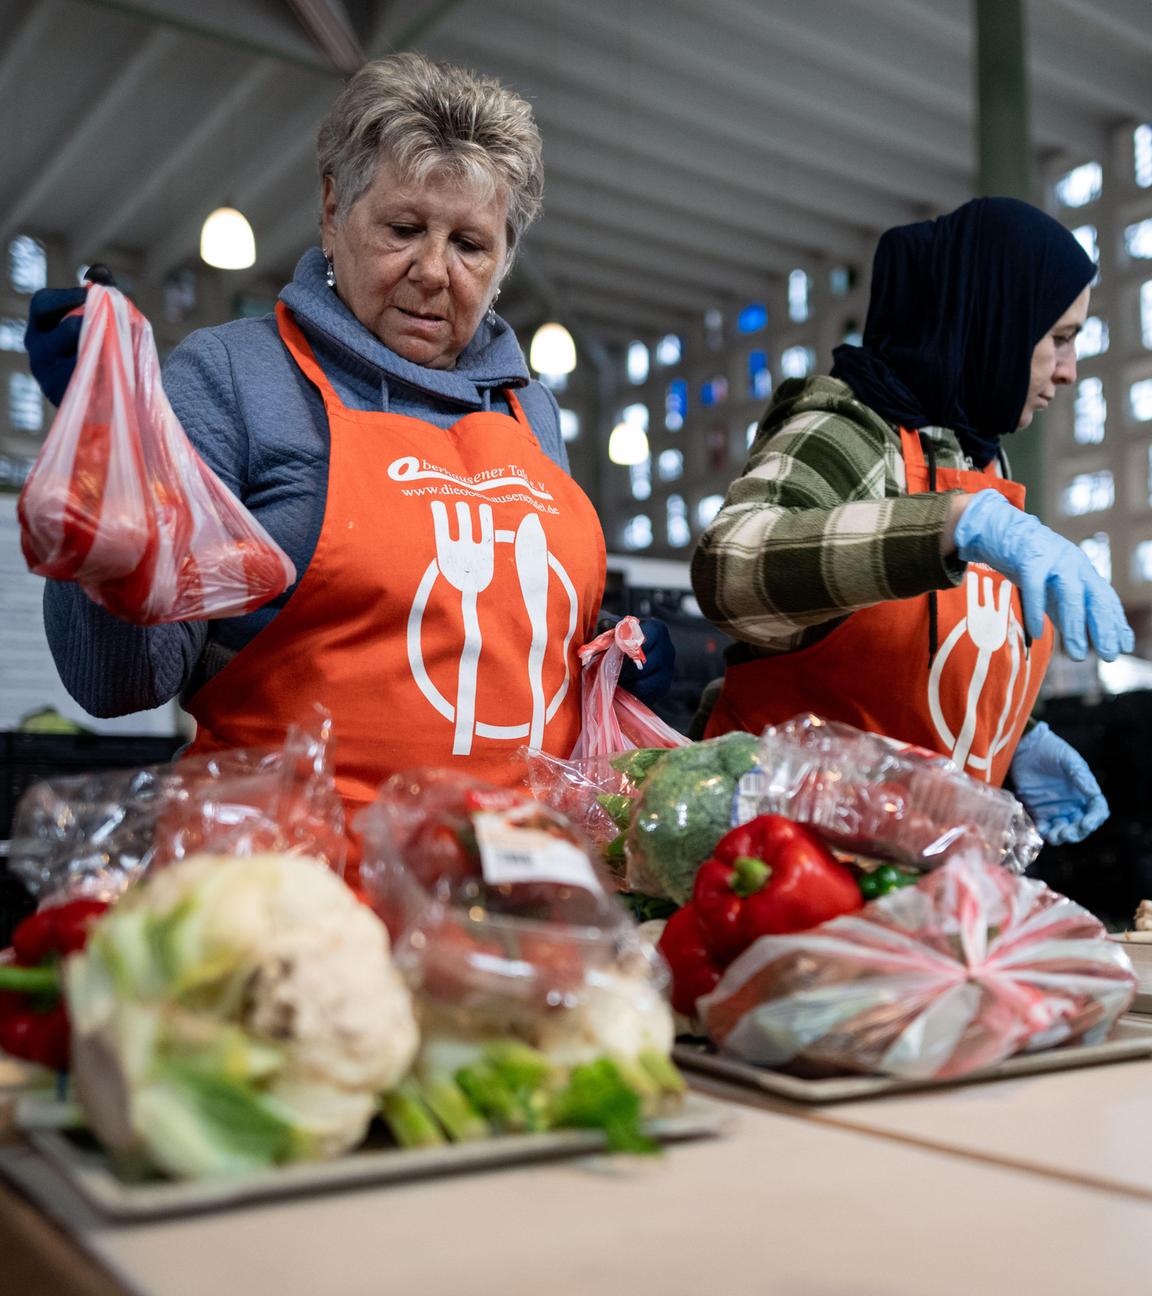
{"x": 637, "y": 532}
{"x": 798, "y": 296}
{"x": 750, "y": 432}
{"x": 1091, "y": 412}
{"x": 797, "y": 362}
{"x": 1140, "y": 400}
{"x": 569, "y": 424}
{"x": 1138, "y": 240}
{"x": 1098, "y": 550}
{"x": 1081, "y": 185}
{"x": 1085, "y": 235}
{"x": 1146, "y": 313}
{"x": 752, "y": 318}
{"x": 668, "y": 350}
{"x": 637, "y": 362}
{"x": 1089, "y": 493}
{"x": 676, "y": 521}
{"x": 12, "y": 333}
{"x": 1092, "y": 340}
{"x": 25, "y": 404}
{"x": 1142, "y": 561}
{"x": 714, "y": 391}
{"x": 180, "y": 295}
{"x": 670, "y": 465}
{"x": 675, "y": 404}
{"x": 1150, "y": 475}
{"x": 27, "y": 264}
{"x": 1142, "y": 155}
{"x": 707, "y": 508}
{"x": 714, "y": 328}
{"x": 640, "y": 477}
{"x": 759, "y": 377}
{"x": 841, "y": 280}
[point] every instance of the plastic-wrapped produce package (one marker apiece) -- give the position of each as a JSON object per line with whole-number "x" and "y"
{"x": 869, "y": 795}
{"x": 956, "y": 973}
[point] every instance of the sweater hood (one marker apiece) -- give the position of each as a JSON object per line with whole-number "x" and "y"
{"x": 493, "y": 358}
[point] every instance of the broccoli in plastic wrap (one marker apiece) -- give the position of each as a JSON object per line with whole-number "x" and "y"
{"x": 683, "y": 809}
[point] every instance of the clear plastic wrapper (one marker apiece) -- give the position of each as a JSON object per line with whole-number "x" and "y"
{"x": 612, "y": 720}
{"x": 94, "y": 834}
{"x": 866, "y": 794}
{"x": 956, "y": 973}
{"x": 504, "y": 925}
{"x": 120, "y": 502}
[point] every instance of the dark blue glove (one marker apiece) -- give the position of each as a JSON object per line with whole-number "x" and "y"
{"x": 651, "y": 681}
{"x": 1052, "y": 574}
{"x": 51, "y": 340}
{"x": 1057, "y": 788}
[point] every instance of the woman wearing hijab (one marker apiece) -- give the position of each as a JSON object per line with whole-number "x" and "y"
{"x": 875, "y": 563}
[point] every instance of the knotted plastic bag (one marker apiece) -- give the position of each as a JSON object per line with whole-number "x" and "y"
{"x": 612, "y": 719}
{"x": 120, "y": 502}
{"x": 956, "y": 973}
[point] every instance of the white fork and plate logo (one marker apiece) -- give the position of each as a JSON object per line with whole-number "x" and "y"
{"x": 464, "y": 567}
{"x": 990, "y": 624}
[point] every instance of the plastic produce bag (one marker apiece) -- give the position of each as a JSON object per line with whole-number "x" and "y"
{"x": 120, "y": 502}
{"x": 95, "y": 834}
{"x": 612, "y": 719}
{"x": 959, "y": 972}
{"x": 869, "y": 795}
{"x": 503, "y": 924}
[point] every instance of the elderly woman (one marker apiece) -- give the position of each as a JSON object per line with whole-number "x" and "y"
{"x": 874, "y": 561}
{"x": 383, "y": 428}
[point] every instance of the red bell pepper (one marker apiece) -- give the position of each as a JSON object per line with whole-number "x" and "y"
{"x": 765, "y": 878}
{"x": 33, "y": 1018}
{"x": 696, "y": 971}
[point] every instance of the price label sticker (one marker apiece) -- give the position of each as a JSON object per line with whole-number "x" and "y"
{"x": 748, "y": 796}
{"x": 524, "y": 845}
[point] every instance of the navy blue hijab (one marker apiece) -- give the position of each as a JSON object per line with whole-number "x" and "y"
{"x": 956, "y": 309}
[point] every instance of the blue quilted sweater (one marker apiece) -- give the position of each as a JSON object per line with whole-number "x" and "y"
{"x": 260, "y": 424}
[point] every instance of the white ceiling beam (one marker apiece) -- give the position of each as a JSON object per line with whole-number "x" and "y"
{"x": 179, "y": 158}
{"x": 701, "y": 53}
{"x": 281, "y": 152}
{"x": 39, "y": 21}
{"x": 590, "y": 244}
{"x": 1128, "y": 22}
{"x": 88, "y": 136}
{"x": 594, "y": 308}
{"x": 659, "y": 102}
{"x": 330, "y": 30}
{"x": 625, "y": 285}
{"x": 599, "y": 205}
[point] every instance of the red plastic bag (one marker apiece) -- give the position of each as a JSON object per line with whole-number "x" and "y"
{"x": 612, "y": 719}
{"x": 956, "y": 973}
{"x": 120, "y": 502}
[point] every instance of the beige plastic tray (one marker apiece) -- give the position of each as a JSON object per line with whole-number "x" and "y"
{"x": 1130, "y": 1039}
{"x": 1140, "y": 952}
{"x": 87, "y": 1169}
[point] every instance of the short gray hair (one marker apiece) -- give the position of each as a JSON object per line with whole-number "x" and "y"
{"x": 433, "y": 118}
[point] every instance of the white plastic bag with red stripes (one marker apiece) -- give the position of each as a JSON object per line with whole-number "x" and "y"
{"x": 119, "y": 501}
{"x": 956, "y": 973}
{"x": 612, "y": 719}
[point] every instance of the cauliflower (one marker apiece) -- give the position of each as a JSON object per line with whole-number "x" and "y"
{"x": 231, "y": 1014}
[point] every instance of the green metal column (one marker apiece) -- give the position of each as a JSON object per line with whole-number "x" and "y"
{"x": 1004, "y": 166}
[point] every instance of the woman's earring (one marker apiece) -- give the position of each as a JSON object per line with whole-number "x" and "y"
{"x": 330, "y": 272}
{"x": 491, "y": 317}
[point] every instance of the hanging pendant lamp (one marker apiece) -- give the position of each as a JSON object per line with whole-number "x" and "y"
{"x": 227, "y": 241}
{"x": 552, "y": 350}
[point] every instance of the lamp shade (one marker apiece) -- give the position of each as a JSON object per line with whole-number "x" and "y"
{"x": 227, "y": 241}
{"x": 628, "y": 444}
{"x": 552, "y": 350}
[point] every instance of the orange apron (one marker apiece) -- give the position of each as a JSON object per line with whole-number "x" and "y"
{"x": 456, "y": 574}
{"x": 970, "y": 699}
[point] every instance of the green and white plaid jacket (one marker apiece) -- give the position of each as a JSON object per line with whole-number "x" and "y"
{"x": 820, "y": 523}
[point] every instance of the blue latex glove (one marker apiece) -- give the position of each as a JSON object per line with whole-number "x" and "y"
{"x": 653, "y": 680}
{"x": 1057, "y": 788}
{"x": 1052, "y": 574}
{"x": 50, "y": 339}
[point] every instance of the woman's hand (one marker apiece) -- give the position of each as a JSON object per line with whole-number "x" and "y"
{"x": 53, "y": 333}
{"x": 652, "y": 681}
{"x": 1052, "y": 574}
{"x": 1057, "y": 788}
